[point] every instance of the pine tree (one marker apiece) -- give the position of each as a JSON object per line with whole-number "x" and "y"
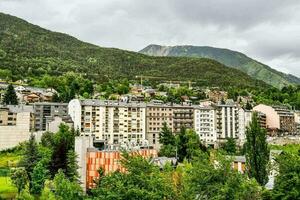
{"x": 10, "y": 96}
{"x": 39, "y": 175}
{"x": 257, "y": 151}
{"x": 72, "y": 166}
{"x": 167, "y": 139}
{"x": 30, "y": 157}
{"x": 166, "y": 136}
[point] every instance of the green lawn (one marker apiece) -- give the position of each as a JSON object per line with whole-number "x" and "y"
{"x": 7, "y": 190}
{"x": 9, "y": 159}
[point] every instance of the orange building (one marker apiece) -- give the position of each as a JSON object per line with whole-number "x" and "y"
{"x": 109, "y": 161}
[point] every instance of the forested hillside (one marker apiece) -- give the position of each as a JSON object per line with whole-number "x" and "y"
{"x": 229, "y": 58}
{"x": 29, "y": 51}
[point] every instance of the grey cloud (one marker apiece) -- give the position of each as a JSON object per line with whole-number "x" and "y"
{"x": 267, "y": 30}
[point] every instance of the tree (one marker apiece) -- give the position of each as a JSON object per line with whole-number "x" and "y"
{"x": 63, "y": 141}
{"x": 167, "y": 139}
{"x": 30, "y": 157}
{"x": 72, "y": 166}
{"x": 229, "y": 146}
{"x": 47, "y": 194}
{"x": 257, "y": 151}
{"x": 188, "y": 144}
{"x": 38, "y": 176}
{"x": 10, "y": 96}
{"x": 166, "y": 136}
{"x": 19, "y": 178}
{"x": 24, "y": 195}
{"x": 66, "y": 189}
{"x": 287, "y": 182}
{"x": 142, "y": 180}
{"x": 248, "y": 106}
{"x": 215, "y": 179}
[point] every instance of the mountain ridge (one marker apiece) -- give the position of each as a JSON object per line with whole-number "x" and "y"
{"x": 29, "y": 51}
{"x": 227, "y": 57}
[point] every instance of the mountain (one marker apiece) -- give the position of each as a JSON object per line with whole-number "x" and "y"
{"x": 29, "y": 51}
{"x": 229, "y": 58}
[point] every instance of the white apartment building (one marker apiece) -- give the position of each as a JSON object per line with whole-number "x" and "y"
{"x": 16, "y": 124}
{"x": 110, "y": 121}
{"x": 227, "y": 120}
{"x": 245, "y": 117}
{"x": 205, "y": 124}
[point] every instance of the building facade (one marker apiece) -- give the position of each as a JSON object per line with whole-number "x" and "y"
{"x": 279, "y": 120}
{"x": 111, "y": 121}
{"x": 157, "y": 114}
{"x": 205, "y": 124}
{"x": 16, "y": 125}
{"x": 183, "y": 116}
{"x": 227, "y": 121}
{"x": 45, "y": 112}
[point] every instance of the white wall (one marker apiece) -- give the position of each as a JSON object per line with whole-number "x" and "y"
{"x": 11, "y": 136}
{"x": 74, "y": 110}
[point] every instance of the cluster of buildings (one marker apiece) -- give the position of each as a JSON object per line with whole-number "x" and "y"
{"x": 107, "y": 126}
{"x": 17, "y": 122}
{"x": 119, "y": 122}
{"x": 27, "y": 94}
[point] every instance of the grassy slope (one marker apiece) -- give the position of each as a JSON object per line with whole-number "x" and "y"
{"x": 7, "y": 189}
{"x": 31, "y": 51}
{"x": 229, "y": 58}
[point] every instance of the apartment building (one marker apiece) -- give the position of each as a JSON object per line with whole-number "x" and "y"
{"x": 16, "y": 124}
{"x": 183, "y": 116}
{"x": 45, "y": 112}
{"x": 158, "y": 113}
{"x": 279, "y": 119}
{"x": 227, "y": 120}
{"x": 111, "y": 121}
{"x": 297, "y": 120}
{"x": 205, "y": 124}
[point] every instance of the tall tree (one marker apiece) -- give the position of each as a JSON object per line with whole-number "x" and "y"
{"x": 72, "y": 166}
{"x": 167, "y": 140}
{"x": 188, "y": 144}
{"x": 257, "y": 151}
{"x": 64, "y": 141}
{"x": 30, "y": 157}
{"x": 19, "y": 178}
{"x": 166, "y": 136}
{"x": 10, "y": 96}
{"x": 39, "y": 175}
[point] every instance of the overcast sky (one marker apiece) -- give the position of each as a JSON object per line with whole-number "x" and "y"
{"x": 267, "y": 30}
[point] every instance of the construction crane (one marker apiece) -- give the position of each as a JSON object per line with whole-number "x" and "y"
{"x": 142, "y": 77}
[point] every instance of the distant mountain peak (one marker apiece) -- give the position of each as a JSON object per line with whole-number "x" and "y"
{"x": 227, "y": 57}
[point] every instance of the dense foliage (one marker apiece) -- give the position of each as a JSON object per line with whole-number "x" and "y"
{"x": 287, "y": 183}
